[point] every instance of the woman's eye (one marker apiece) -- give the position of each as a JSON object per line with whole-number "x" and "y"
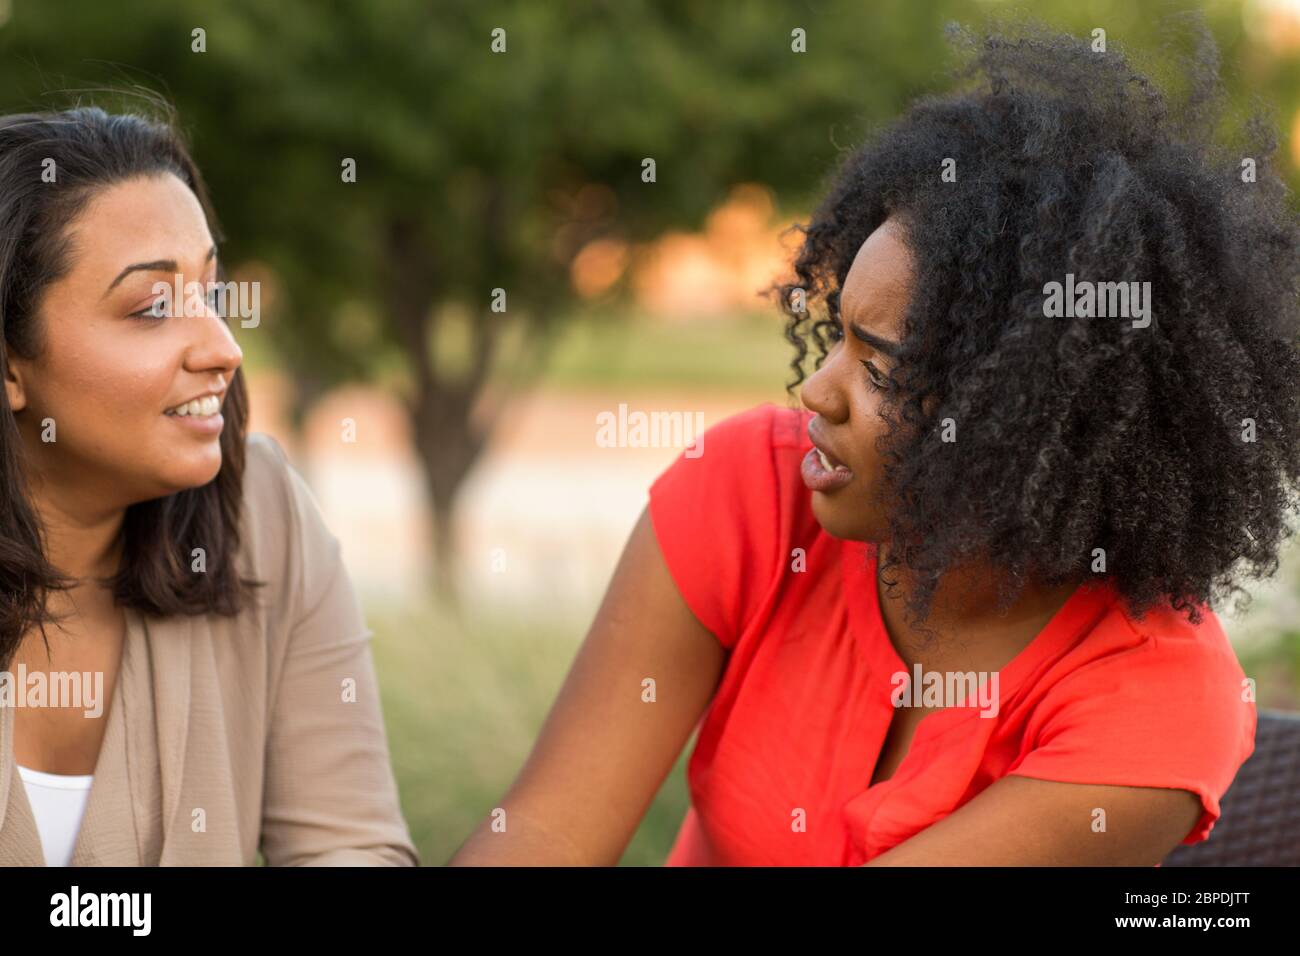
{"x": 156, "y": 310}
{"x": 877, "y": 378}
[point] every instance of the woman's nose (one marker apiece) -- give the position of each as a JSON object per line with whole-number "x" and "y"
{"x": 821, "y": 392}
{"x": 215, "y": 347}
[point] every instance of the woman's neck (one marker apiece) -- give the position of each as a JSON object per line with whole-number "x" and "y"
{"x": 81, "y": 540}
{"x": 965, "y": 607}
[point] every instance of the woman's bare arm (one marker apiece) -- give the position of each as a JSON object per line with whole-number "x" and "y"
{"x": 1021, "y": 821}
{"x": 603, "y": 751}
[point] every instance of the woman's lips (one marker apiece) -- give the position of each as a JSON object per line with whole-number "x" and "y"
{"x": 199, "y": 424}
{"x": 818, "y": 477}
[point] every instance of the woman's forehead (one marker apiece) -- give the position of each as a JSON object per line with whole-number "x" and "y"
{"x": 145, "y": 218}
{"x": 878, "y": 285}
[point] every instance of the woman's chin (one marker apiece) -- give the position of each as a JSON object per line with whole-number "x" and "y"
{"x": 191, "y": 475}
{"x": 838, "y": 521}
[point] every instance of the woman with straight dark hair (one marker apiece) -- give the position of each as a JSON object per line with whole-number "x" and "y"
{"x": 187, "y": 676}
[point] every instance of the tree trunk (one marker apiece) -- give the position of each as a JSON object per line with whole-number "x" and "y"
{"x": 448, "y": 446}
{"x": 450, "y": 424}
{"x": 445, "y": 554}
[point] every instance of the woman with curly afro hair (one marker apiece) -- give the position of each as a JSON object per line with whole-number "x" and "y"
{"x": 958, "y": 609}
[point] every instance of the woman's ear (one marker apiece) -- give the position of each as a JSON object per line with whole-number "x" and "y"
{"x": 14, "y": 390}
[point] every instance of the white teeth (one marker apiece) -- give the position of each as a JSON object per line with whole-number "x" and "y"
{"x": 826, "y": 462}
{"x": 203, "y": 407}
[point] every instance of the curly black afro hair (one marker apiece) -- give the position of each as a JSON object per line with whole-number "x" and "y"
{"x": 1075, "y": 434}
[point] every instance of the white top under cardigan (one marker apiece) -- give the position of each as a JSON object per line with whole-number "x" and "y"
{"x": 58, "y": 803}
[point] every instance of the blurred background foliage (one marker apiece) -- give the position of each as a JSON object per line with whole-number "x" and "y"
{"x": 522, "y": 171}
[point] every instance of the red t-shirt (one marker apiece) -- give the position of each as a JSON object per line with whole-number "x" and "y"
{"x": 781, "y": 768}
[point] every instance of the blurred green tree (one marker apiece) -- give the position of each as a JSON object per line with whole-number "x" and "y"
{"x": 471, "y": 161}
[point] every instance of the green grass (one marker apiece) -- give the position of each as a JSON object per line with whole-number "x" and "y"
{"x": 463, "y": 703}
{"x": 1274, "y": 663}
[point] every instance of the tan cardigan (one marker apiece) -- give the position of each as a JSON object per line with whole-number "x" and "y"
{"x": 241, "y": 718}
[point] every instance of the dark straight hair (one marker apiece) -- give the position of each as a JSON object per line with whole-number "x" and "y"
{"x": 92, "y": 149}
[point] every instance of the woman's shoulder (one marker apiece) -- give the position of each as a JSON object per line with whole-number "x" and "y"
{"x": 1166, "y": 642}
{"x": 753, "y": 454}
{"x": 767, "y": 428}
{"x": 727, "y": 510}
{"x": 270, "y": 492}
{"x": 265, "y": 462}
{"x": 1160, "y": 677}
{"x": 1159, "y": 657}
{"x": 284, "y": 539}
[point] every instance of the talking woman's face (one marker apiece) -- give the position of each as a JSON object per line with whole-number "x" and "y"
{"x": 120, "y": 403}
{"x": 847, "y": 391}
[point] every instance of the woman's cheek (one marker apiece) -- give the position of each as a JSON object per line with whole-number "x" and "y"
{"x": 142, "y": 377}
{"x": 119, "y": 399}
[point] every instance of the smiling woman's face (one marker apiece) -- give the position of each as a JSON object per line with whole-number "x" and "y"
{"x": 846, "y": 392}
{"x": 108, "y": 373}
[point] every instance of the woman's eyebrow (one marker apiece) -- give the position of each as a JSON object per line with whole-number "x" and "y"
{"x": 158, "y": 265}
{"x": 886, "y": 346}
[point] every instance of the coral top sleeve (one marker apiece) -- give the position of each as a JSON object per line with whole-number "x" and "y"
{"x": 1170, "y": 712}
{"x": 716, "y": 519}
